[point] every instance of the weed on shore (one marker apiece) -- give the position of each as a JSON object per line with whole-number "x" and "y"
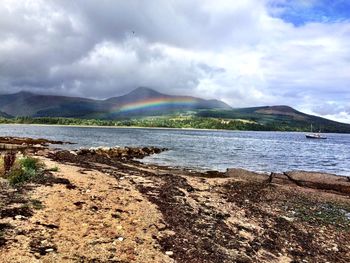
{"x": 25, "y": 169}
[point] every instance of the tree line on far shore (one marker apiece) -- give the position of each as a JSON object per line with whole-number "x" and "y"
{"x": 161, "y": 122}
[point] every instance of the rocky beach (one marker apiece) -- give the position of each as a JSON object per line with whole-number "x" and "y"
{"x": 104, "y": 205}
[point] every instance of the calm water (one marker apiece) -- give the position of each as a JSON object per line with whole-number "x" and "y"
{"x": 258, "y": 151}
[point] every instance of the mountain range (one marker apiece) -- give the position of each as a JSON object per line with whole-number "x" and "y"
{"x": 139, "y": 102}
{"x": 144, "y": 102}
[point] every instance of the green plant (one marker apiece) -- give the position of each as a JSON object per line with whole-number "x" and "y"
{"x": 17, "y": 175}
{"x": 30, "y": 163}
{"x": 25, "y": 170}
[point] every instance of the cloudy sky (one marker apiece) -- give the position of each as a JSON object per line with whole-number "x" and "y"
{"x": 246, "y": 53}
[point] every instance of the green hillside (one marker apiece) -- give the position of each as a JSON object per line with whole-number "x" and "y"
{"x": 279, "y": 118}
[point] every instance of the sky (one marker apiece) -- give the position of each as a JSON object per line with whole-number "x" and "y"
{"x": 246, "y": 53}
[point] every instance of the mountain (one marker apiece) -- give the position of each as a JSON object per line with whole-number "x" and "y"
{"x": 142, "y": 93}
{"x": 30, "y": 104}
{"x": 137, "y": 95}
{"x": 139, "y": 102}
{"x": 145, "y": 102}
{"x": 279, "y": 116}
{"x": 148, "y": 102}
{"x": 5, "y": 115}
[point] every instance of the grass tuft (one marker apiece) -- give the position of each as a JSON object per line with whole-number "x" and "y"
{"x": 30, "y": 163}
{"x": 24, "y": 170}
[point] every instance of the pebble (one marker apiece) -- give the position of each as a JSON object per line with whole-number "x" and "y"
{"x": 245, "y": 234}
{"x": 49, "y": 250}
{"x": 120, "y": 239}
{"x": 169, "y": 253}
{"x": 335, "y": 248}
{"x": 19, "y": 217}
{"x": 347, "y": 215}
{"x": 289, "y": 219}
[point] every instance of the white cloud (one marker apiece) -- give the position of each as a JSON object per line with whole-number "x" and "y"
{"x": 236, "y": 51}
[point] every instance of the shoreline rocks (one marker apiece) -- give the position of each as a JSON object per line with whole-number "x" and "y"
{"x": 23, "y": 144}
{"x": 121, "y": 152}
{"x": 26, "y": 141}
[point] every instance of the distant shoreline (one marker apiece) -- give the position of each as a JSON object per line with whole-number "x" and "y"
{"x": 148, "y": 128}
{"x": 205, "y": 123}
{"x": 127, "y": 127}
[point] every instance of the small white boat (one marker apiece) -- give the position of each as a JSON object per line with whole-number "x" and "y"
{"x": 315, "y": 135}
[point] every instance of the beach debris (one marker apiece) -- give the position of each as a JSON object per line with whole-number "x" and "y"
{"x": 289, "y": 219}
{"x": 41, "y": 247}
{"x": 169, "y": 253}
{"x": 19, "y": 217}
{"x": 347, "y": 215}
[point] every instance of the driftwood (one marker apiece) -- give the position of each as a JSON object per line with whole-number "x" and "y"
{"x": 312, "y": 180}
{"x": 269, "y": 180}
{"x": 272, "y": 175}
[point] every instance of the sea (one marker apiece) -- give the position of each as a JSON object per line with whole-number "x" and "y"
{"x": 209, "y": 149}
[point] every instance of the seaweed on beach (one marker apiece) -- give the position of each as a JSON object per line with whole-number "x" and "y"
{"x": 291, "y": 221}
{"x": 201, "y": 234}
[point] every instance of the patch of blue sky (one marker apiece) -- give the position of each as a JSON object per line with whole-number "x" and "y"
{"x": 301, "y": 12}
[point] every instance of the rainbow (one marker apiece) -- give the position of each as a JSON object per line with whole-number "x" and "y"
{"x": 155, "y": 103}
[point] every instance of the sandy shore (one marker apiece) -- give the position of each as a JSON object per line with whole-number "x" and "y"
{"x": 105, "y": 207}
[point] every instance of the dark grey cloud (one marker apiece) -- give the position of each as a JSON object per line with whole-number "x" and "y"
{"x": 232, "y": 50}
